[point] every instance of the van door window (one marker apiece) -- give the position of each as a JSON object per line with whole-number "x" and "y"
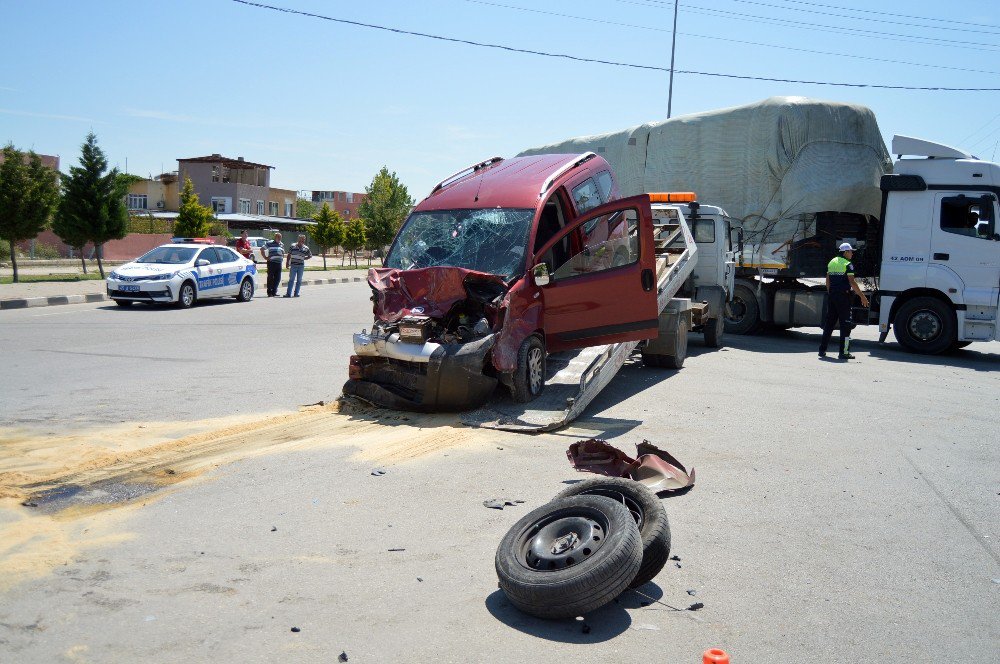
{"x": 597, "y": 255}
{"x": 551, "y": 221}
{"x": 604, "y": 185}
{"x": 965, "y": 215}
{"x": 586, "y": 196}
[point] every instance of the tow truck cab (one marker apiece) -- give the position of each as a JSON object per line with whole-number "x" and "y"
{"x": 504, "y": 262}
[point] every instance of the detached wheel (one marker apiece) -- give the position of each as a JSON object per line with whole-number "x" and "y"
{"x": 742, "y": 312}
{"x": 714, "y": 329}
{"x": 569, "y": 557}
{"x": 925, "y": 325}
{"x": 187, "y": 295}
{"x": 246, "y": 290}
{"x": 124, "y": 303}
{"x": 529, "y": 378}
{"x": 649, "y": 515}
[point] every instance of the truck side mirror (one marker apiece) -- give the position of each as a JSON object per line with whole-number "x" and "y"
{"x": 540, "y": 273}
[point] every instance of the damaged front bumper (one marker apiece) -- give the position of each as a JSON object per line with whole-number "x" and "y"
{"x": 420, "y": 376}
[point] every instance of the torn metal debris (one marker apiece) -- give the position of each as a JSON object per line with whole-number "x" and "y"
{"x": 654, "y": 468}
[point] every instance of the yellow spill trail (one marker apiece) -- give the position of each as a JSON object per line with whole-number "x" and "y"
{"x": 32, "y": 543}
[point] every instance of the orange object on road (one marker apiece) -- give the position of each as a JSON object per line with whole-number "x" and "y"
{"x": 715, "y": 656}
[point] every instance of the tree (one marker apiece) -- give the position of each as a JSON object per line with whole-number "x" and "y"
{"x": 384, "y": 208}
{"x": 354, "y": 238}
{"x": 305, "y": 208}
{"x": 93, "y": 203}
{"x": 28, "y": 196}
{"x": 328, "y": 231}
{"x": 193, "y": 218}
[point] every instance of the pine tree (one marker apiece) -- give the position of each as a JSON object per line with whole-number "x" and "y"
{"x": 384, "y": 208}
{"x": 93, "y": 203}
{"x": 193, "y": 218}
{"x": 328, "y": 231}
{"x": 354, "y": 238}
{"x": 28, "y": 196}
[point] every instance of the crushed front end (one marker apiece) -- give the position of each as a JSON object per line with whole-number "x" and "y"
{"x": 431, "y": 343}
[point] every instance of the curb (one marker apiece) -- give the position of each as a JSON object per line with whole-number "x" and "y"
{"x": 53, "y": 300}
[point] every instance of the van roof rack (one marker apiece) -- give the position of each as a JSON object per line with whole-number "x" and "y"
{"x": 464, "y": 172}
{"x": 568, "y": 166}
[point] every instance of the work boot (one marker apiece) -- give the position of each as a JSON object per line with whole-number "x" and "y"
{"x": 822, "y": 353}
{"x": 846, "y": 356}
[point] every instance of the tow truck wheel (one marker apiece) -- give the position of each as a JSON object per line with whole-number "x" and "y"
{"x": 187, "y": 296}
{"x": 569, "y": 557}
{"x": 529, "y": 379}
{"x": 742, "y": 312}
{"x": 246, "y": 290}
{"x": 714, "y": 329}
{"x": 649, "y": 515}
{"x": 925, "y": 325}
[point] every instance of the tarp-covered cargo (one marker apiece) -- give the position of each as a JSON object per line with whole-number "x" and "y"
{"x": 773, "y": 164}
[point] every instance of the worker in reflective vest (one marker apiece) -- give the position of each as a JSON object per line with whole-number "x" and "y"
{"x": 839, "y": 284}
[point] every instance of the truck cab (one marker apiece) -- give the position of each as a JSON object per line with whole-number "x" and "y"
{"x": 503, "y": 263}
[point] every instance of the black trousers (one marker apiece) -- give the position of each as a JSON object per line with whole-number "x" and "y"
{"x": 273, "y": 277}
{"x": 838, "y": 308}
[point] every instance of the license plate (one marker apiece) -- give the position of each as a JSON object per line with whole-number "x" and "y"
{"x": 128, "y": 288}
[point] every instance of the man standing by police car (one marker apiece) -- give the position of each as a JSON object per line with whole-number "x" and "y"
{"x": 274, "y": 253}
{"x": 839, "y": 284}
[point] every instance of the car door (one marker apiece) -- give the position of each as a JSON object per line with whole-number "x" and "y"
{"x": 963, "y": 241}
{"x": 601, "y": 291}
{"x": 231, "y": 270}
{"x": 209, "y": 279}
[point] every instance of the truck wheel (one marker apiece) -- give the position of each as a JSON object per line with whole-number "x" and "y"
{"x": 959, "y": 345}
{"x": 569, "y": 557}
{"x": 925, "y": 325}
{"x": 649, "y": 515}
{"x": 714, "y": 329}
{"x": 187, "y": 295}
{"x": 529, "y": 379}
{"x": 742, "y": 312}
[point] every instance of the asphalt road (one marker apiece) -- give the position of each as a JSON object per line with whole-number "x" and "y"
{"x": 843, "y": 512}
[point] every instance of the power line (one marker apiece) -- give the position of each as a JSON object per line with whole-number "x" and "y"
{"x": 576, "y": 58}
{"x": 882, "y": 13}
{"x": 730, "y": 40}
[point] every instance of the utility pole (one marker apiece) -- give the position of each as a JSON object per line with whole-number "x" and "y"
{"x": 673, "y": 48}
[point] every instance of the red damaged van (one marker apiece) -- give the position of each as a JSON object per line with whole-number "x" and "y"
{"x": 503, "y": 263}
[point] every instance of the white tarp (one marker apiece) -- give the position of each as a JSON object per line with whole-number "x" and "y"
{"x": 772, "y": 164}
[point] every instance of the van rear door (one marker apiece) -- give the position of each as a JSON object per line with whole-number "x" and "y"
{"x": 602, "y": 291}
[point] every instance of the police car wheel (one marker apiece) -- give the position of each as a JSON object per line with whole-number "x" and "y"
{"x": 246, "y": 290}
{"x": 186, "y": 297}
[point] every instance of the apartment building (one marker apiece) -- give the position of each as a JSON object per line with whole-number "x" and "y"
{"x": 159, "y": 194}
{"x": 344, "y": 202}
{"x": 281, "y": 202}
{"x": 228, "y": 185}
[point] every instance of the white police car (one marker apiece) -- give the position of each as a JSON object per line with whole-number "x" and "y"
{"x": 184, "y": 271}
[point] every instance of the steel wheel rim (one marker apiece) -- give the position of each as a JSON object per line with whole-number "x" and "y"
{"x": 736, "y": 310}
{"x": 535, "y": 370}
{"x": 630, "y": 504}
{"x": 563, "y": 539}
{"x": 925, "y": 325}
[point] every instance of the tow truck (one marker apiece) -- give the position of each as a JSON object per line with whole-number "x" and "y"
{"x": 530, "y": 273}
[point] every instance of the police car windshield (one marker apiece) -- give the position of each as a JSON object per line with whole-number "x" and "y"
{"x": 489, "y": 240}
{"x": 169, "y": 255}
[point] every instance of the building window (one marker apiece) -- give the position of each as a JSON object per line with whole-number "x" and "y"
{"x": 245, "y": 205}
{"x": 225, "y": 174}
{"x": 350, "y": 197}
{"x": 260, "y": 207}
{"x": 220, "y": 205}
{"x": 137, "y": 202}
{"x": 347, "y": 213}
{"x": 272, "y": 208}
{"x": 288, "y": 209}
{"x": 215, "y": 173}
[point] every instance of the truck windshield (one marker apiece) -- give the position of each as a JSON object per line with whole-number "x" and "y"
{"x": 487, "y": 240}
{"x": 169, "y": 255}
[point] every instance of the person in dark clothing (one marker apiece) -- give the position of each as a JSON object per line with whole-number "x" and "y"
{"x": 839, "y": 284}
{"x": 274, "y": 253}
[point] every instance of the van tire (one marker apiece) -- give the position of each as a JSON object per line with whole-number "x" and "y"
{"x": 925, "y": 325}
{"x": 742, "y": 312}
{"x": 528, "y": 380}
{"x": 648, "y": 511}
{"x": 556, "y": 588}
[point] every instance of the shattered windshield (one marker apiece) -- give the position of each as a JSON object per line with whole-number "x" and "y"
{"x": 169, "y": 255}
{"x": 486, "y": 240}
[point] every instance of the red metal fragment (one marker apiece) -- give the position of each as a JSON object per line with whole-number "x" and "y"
{"x": 654, "y": 468}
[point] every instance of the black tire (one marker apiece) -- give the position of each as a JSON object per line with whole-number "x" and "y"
{"x": 675, "y": 361}
{"x": 545, "y": 580}
{"x": 648, "y": 512}
{"x": 925, "y": 325}
{"x": 714, "y": 329}
{"x": 246, "y": 290}
{"x": 124, "y": 303}
{"x": 529, "y": 378}
{"x": 959, "y": 345}
{"x": 742, "y": 312}
{"x": 187, "y": 295}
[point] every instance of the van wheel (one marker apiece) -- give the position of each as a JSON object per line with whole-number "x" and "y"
{"x": 714, "y": 329}
{"x": 529, "y": 378}
{"x": 925, "y": 325}
{"x": 742, "y": 312}
{"x": 187, "y": 295}
{"x": 246, "y": 290}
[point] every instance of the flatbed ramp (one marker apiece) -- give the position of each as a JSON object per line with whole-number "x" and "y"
{"x": 575, "y": 378}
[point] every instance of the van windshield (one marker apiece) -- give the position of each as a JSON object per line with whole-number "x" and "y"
{"x": 486, "y": 240}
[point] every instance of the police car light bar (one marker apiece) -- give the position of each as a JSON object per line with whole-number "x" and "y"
{"x": 192, "y": 240}
{"x": 673, "y": 197}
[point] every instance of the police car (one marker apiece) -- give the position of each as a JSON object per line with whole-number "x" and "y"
{"x": 182, "y": 272}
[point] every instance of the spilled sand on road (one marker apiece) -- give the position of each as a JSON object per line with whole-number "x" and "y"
{"x": 33, "y": 541}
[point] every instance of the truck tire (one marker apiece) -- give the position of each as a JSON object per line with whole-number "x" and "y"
{"x": 925, "y": 325}
{"x": 649, "y": 515}
{"x": 569, "y": 557}
{"x": 742, "y": 312}
{"x": 714, "y": 329}
{"x": 529, "y": 378}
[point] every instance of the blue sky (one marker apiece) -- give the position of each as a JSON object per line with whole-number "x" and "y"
{"x": 328, "y": 104}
